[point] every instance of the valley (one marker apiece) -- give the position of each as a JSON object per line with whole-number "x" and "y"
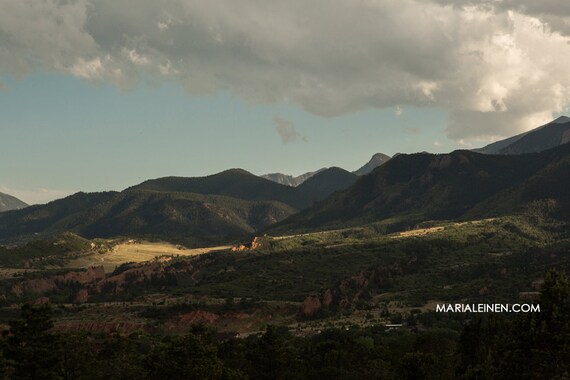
{"x": 236, "y": 259}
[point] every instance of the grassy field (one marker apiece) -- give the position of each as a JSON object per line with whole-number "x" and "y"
{"x": 136, "y": 252}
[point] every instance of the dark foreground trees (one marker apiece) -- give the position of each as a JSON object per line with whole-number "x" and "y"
{"x": 526, "y": 346}
{"x": 529, "y": 346}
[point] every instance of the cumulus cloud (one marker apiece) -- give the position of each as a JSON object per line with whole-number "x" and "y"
{"x": 497, "y": 67}
{"x": 286, "y": 130}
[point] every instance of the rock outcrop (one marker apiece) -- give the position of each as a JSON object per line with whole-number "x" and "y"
{"x": 311, "y": 306}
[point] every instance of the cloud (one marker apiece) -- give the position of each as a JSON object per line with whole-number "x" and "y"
{"x": 497, "y": 67}
{"x": 36, "y": 196}
{"x": 286, "y": 130}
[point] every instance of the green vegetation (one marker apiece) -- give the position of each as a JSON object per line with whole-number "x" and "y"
{"x": 535, "y": 345}
{"x": 41, "y": 253}
{"x": 191, "y": 219}
{"x": 503, "y": 255}
{"x": 462, "y": 185}
{"x": 420, "y": 230}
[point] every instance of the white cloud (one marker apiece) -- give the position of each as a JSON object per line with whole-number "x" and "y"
{"x": 497, "y": 67}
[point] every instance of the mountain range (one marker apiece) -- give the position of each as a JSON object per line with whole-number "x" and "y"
{"x": 459, "y": 185}
{"x": 197, "y": 210}
{"x": 289, "y": 180}
{"x": 8, "y": 202}
{"x": 401, "y": 191}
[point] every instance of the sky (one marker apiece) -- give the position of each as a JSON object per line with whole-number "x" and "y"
{"x": 101, "y": 95}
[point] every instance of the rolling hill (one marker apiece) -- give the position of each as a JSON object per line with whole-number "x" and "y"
{"x": 326, "y": 182}
{"x": 172, "y": 216}
{"x": 236, "y": 183}
{"x": 8, "y": 202}
{"x": 227, "y": 205}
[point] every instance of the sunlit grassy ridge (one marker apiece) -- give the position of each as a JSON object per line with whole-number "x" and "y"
{"x": 503, "y": 255}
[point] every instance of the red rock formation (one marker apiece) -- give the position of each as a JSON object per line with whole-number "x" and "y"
{"x": 44, "y": 285}
{"x": 37, "y": 286}
{"x": 199, "y": 316}
{"x": 136, "y": 274}
{"x": 119, "y": 327}
{"x": 256, "y": 243}
{"x": 90, "y": 275}
{"x": 81, "y": 296}
{"x": 311, "y": 306}
{"x": 42, "y": 301}
{"x": 328, "y": 298}
{"x": 361, "y": 280}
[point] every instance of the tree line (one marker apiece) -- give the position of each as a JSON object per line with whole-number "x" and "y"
{"x": 526, "y": 346}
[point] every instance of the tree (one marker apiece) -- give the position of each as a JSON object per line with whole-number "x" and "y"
{"x": 31, "y": 348}
{"x": 533, "y": 345}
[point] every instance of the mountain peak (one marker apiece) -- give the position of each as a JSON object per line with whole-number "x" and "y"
{"x": 8, "y": 202}
{"x": 376, "y": 160}
{"x": 560, "y": 120}
{"x": 547, "y": 136}
{"x": 289, "y": 180}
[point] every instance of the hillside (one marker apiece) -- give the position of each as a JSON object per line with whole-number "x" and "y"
{"x": 203, "y": 210}
{"x": 170, "y": 216}
{"x": 8, "y": 202}
{"x": 326, "y": 182}
{"x": 418, "y": 187}
{"x": 236, "y": 183}
{"x": 548, "y": 136}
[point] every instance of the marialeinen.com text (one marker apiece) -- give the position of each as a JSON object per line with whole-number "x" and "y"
{"x": 487, "y": 308}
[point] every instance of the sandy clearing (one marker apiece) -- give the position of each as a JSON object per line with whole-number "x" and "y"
{"x": 137, "y": 252}
{"x": 426, "y": 231}
{"x": 419, "y": 232}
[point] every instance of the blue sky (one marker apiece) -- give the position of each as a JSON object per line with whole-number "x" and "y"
{"x": 65, "y": 134}
{"x": 102, "y": 95}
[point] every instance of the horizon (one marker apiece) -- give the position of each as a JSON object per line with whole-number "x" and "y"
{"x": 101, "y": 96}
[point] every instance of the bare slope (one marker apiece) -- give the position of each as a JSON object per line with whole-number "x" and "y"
{"x": 547, "y": 136}
{"x": 8, "y": 202}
